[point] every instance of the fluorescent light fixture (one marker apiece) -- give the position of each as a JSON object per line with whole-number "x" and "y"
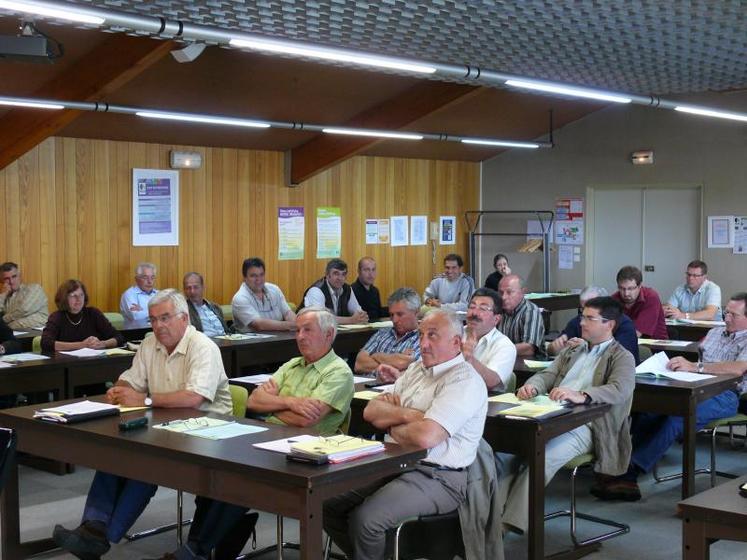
{"x": 373, "y": 133}
{"x": 59, "y": 13}
{"x": 331, "y": 54}
{"x": 31, "y": 104}
{"x": 201, "y": 119}
{"x": 565, "y": 90}
{"x": 501, "y": 143}
{"x": 711, "y": 113}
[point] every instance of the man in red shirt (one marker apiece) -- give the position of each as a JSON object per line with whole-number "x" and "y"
{"x": 642, "y": 304}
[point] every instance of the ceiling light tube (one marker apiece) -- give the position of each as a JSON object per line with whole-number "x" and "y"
{"x": 202, "y": 119}
{"x": 52, "y": 12}
{"x": 505, "y": 144}
{"x": 571, "y": 91}
{"x": 30, "y": 104}
{"x": 331, "y": 54}
{"x": 373, "y": 133}
{"x": 711, "y": 113}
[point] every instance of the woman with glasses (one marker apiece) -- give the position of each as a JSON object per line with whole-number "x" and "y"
{"x": 75, "y": 325}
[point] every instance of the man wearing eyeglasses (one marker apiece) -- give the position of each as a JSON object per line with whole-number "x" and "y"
{"x": 598, "y": 371}
{"x": 640, "y": 303}
{"x": 178, "y": 367}
{"x": 724, "y": 352}
{"x": 134, "y": 302}
{"x": 259, "y": 305}
{"x": 697, "y": 298}
{"x": 486, "y": 348}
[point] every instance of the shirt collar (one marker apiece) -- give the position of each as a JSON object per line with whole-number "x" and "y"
{"x": 141, "y": 291}
{"x": 696, "y": 292}
{"x": 601, "y": 347}
{"x": 443, "y": 367}
{"x": 332, "y": 290}
{"x": 519, "y": 307}
{"x": 181, "y": 347}
{"x": 322, "y": 362}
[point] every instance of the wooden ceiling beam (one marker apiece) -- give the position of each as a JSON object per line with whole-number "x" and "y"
{"x": 96, "y": 74}
{"x": 327, "y": 150}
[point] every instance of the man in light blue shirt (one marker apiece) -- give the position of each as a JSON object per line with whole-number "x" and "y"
{"x": 134, "y": 303}
{"x": 204, "y": 315}
{"x": 698, "y": 298}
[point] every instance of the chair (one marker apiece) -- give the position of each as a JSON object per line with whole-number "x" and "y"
{"x": 585, "y": 461}
{"x": 239, "y": 396}
{"x": 227, "y": 313}
{"x": 116, "y": 319}
{"x": 7, "y": 453}
{"x": 436, "y": 537}
{"x": 36, "y": 345}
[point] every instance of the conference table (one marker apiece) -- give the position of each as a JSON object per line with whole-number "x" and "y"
{"x": 230, "y": 470}
{"x": 554, "y": 301}
{"x": 686, "y": 331}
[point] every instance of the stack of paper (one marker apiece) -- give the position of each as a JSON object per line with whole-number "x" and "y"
{"x": 243, "y": 336}
{"x": 537, "y": 364}
{"x": 85, "y": 353}
{"x": 76, "y": 412}
{"x": 256, "y": 379}
{"x": 656, "y": 366}
{"x": 673, "y": 343}
{"x": 209, "y": 428}
{"x": 337, "y": 449}
{"x": 702, "y": 323}
{"x": 24, "y": 357}
{"x": 381, "y": 325}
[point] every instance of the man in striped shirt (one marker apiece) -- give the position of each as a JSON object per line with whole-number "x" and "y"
{"x": 390, "y": 351}
{"x": 522, "y": 320}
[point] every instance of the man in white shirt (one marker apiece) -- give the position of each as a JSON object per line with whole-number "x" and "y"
{"x": 453, "y": 289}
{"x": 134, "y": 303}
{"x": 333, "y": 293}
{"x": 489, "y": 351}
{"x": 439, "y": 404}
{"x": 259, "y": 305}
{"x": 697, "y": 298}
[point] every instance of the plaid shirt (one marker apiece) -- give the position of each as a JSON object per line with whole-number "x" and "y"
{"x": 524, "y": 324}
{"x": 386, "y": 341}
{"x": 720, "y": 346}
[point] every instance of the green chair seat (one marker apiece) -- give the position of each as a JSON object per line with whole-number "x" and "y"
{"x": 736, "y": 419}
{"x": 227, "y": 312}
{"x": 116, "y": 319}
{"x": 580, "y": 460}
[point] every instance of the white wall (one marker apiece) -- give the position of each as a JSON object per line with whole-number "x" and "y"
{"x": 594, "y": 152}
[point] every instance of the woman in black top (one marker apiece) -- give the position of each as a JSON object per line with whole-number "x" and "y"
{"x": 500, "y": 263}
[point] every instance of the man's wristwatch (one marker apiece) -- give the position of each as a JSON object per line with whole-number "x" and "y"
{"x": 701, "y": 365}
{"x": 148, "y": 401}
{"x": 588, "y": 398}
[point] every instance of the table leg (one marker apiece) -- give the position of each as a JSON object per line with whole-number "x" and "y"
{"x": 695, "y": 544}
{"x": 536, "y": 529}
{"x": 311, "y": 529}
{"x": 688, "y": 450}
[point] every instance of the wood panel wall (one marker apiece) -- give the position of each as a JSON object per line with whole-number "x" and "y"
{"x": 67, "y": 212}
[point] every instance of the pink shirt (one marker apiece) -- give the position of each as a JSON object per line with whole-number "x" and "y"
{"x": 646, "y": 313}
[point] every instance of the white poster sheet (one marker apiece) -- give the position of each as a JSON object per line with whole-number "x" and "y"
{"x": 400, "y": 231}
{"x": 418, "y": 230}
{"x": 720, "y": 232}
{"x": 565, "y": 257}
{"x": 569, "y": 232}
{"x": 155, "y": 207}
{"x": 447, "y": 230}
{"x": 740, "y": 235}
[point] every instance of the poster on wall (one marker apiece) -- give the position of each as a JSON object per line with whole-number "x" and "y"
{"x": 720, "y": 232}
{"x": 569, "y": 221}
{"x": 372, "y": 232}
{"x": 447, "y": 230}
{"x": 384, "y": 231}
{"x": 290, "y": 233}
{"x": 155, "y": 207}
{"x": 400, "y": 231}
{"x": 740, "y": 235}
{"x": 418, "y": 230}
{"x": 328, "y": 232}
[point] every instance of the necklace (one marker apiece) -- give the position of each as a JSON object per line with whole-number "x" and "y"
{"x": 71, "y": 321}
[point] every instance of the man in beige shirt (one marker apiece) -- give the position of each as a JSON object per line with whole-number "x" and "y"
{"x": 179, "y": 367}
{"x": 22, "y": 306}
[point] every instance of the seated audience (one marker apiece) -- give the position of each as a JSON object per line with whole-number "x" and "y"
{"x": 204, "y": 315}
{"x": 522, "y": 320}
{"x": 500, "y": 264}
{"x": 624, "y": 331}
{"x": 259, "y": 305}
{"x": 390, "y": 351}
{"x": 439, "y": 404}
{"x": 451, "y": 290}
{"x": 134, "y": 303}
{"x": 724, "y": 352}
{"x": 486, "y": 348}
{"x": 178, "y": 367}
{"x": 75, "y": 325}
{"x": 22, "y": 306}
{"x": 333, "y": 293}
{"x": 598, "y": 371}
{"x": 697, "y": 298}
{"x": 365, "y": 292}
{"x": 641, "y": 304}
{"x": 311, "y": 391}
{"x": 8, "y": 342}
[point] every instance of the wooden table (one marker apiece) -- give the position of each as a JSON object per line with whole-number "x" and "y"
{"x": 527, "y": 438}
{"x": 230, "y": 470}
{"x": 557, "y": 303}
{"x": 682, "y": 331}
{"x": 677, "y": 398}
{"x": 718, "y": 513}
{"x": 690, "y": 351}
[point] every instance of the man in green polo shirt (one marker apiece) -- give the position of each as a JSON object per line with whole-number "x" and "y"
{"x": 314, "y": 391}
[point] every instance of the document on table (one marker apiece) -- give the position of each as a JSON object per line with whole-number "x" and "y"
{"x": 537, "y": 364}
{"x": 672, "y": 343}
{"x": 381, "y": 324}
{"x": 24, "y": 357}
{"x": 244, "y": 336}
{"x": 656, "y": 366}
{"x": 701, "y": 322}
{"x": 119, "y": 352}
{"x": 256, "y": 379}
{"x": 361, "y": 379}
{"x": 85, "y": 353}
{"x": 367, "y": 395}
{"x": 284, "y": 445}
{"x": 76, "y": 412}
{"x": 209, "y": 428}
{"x": 19, "y": 333}
{"x": 5, "y": 364}
{"x": 355, "y": 327}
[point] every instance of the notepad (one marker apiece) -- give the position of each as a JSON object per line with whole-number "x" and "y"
{"x": 85, "y": 353}
{"x": 531, "y": 410}
{"x": 537, "y": 364}
{"x": 381, "y": 324}
{"x": 119, "y": 352}
{"x": 509, "y": 398}
{"x": 367, "y": 395}
{"x": 256, "y": 379}
{"x": 656, "y": 366}
{"x": 337, "y": 449}
{"x": 243, "y": 336}
{"x": 673, "y": 343}
{"x": 24, "y": 357}
{"x": 76, "y": 412}
{"x": 353, "y": 327}
{"x": 283, "y": 445}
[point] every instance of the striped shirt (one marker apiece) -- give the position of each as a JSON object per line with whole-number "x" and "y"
{"x": 721, "y": 346}
{"x": 387, "y": 342}
{"x": 524, "y": 324}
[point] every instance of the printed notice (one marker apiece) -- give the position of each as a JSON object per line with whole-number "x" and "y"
{"x": 328, "y": 232}
{"x": 447, "y": 230}
{"x": 155, "y": 207}
{"x": 372, "y": 232}
{"x": 418, "y": 230}
{"x": 399, "y": 231}
{"x": 290, "y": 233}
{"x": 384, "y": 231}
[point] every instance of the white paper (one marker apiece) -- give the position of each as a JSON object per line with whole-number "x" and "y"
{"x": 447, "y": 230}
{"x": 418, "y": 230}
{"x": 283, "y": 445}
{"x": 720, "y": 232}
{"x": 399, "y": 231}
{"x": 657, "y": 364}
{"x": 565, "y": 257}
{"x": 5, "y": 364}
{"x": 19, "y": 333}
{"x": 155, "y": 207}
{"x": 85, "y": 353}
{"x": 672, "y": 343}
{"x": 740, "y": 235}
{"x": 257, "y": 379}
{"x": 359, "y": 379}
{"x": 82, "y": 407}
{"x": 384, "y": 388}
{"x": 372, "y": 232}
{"x": 24, "y": 357}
